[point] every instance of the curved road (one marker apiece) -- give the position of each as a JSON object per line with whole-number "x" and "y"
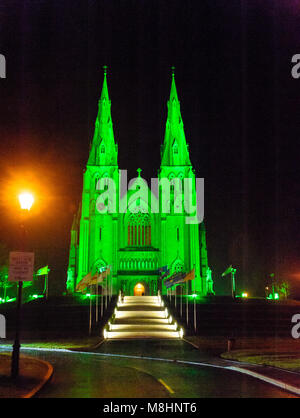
{"x": 112, "y": 371}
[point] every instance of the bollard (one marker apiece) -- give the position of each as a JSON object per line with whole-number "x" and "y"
{"x": 230, "y": 344}
{"x": 2, "y": 326}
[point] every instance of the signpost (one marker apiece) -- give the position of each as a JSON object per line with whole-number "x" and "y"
{"x": 21, "y": 266}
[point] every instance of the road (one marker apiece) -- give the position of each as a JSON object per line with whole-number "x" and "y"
{"x": 111, "y": 371}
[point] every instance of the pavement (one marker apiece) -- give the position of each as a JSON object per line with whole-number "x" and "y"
{"x": 33, "y": 375}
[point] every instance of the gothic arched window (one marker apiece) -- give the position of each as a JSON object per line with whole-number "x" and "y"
{"x": 139, "y": 230}
{"x": 96, "y": 181}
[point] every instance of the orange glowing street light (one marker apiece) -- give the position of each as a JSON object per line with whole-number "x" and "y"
{"x": 26, "y": 200}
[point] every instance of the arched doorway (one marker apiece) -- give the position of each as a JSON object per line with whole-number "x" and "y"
{"x": 139, "y": 290}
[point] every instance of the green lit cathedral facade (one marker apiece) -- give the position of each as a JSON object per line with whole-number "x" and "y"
{"x": 132, "y": 239}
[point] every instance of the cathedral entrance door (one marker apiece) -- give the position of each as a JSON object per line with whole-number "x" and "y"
{"x": 139, "y": 290}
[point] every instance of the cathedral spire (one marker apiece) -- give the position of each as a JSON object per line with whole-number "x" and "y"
{"x": 174, "y": 149}
{"x": 104, "y": 93}
{"x": 173, "y": 93}
{"x": 104, "y": 149}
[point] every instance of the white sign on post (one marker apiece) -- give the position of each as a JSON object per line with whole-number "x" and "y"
{"x": 21, "y": 266}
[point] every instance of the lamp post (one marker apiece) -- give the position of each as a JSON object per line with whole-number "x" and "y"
{"x": 26, "y": 201}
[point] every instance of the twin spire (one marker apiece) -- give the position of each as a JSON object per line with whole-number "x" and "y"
{"x": 104, "y": 150}
{"x": 174, "y": 151}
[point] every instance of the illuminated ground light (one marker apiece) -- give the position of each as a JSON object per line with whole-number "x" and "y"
{"x": 275, "y": 296}
{"x": 36, "y": 296}
{"x": 244, "y": 295}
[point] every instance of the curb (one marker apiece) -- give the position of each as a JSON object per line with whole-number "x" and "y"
{"x": 189, "y": 342}
{"x": 46, "y": 378}
{"x": 294, "y": 389}
{"x": 88, "y": 348}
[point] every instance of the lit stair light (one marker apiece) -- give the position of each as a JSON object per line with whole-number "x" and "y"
{"x": 142, "y": 317}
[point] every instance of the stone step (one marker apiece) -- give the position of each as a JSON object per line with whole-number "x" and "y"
{"x": 139, "y": 302}
{"x": 138, "y": 317}
{"x": 140, "y": 327}
{"x": 143, "y": 299}
{"x": 142, "y": 334}
{"x": 139, "y": 307}
{"x": 139, "y": 320}
{"x": 140, "y": 314}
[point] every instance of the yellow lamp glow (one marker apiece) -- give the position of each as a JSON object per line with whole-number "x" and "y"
{"x": 26, "y": 200}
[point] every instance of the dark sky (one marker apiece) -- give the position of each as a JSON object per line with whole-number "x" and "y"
{"x": 239, "y": 102}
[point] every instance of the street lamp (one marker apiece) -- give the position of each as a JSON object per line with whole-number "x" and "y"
{"x": 26, "y": 201}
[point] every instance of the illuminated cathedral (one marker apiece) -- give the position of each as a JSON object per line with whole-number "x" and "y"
{"x": 136, "y": 242}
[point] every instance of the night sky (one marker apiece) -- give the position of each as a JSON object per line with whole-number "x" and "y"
{"x": 239, "y": 103}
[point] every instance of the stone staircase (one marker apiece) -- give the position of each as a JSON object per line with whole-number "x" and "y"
{"x": 141, "y": 317}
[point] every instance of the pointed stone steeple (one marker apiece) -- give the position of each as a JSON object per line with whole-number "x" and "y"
{"x": 104, "y": 150}
{"x": 174, "y": 151}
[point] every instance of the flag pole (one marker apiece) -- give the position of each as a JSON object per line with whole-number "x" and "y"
{"x": 111, "y": 284}
{"x": 101, "y": 301}
{"x": 106, "y": 292}
{"x": 180, "y": 300}
{"x": 233, "y": 282}
{"x": 175, "y": 295}
{"x": 195, "y": 319}
{"x": 90, "y": 321}
{"x": 97, "y": 300}
{"x": 47, "y": 285}
{"x": 187, "y": 304}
